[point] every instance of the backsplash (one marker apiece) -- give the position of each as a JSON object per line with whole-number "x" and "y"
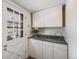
{"x": 52, "y": 31}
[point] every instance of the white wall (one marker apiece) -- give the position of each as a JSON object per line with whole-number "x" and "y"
{"x": 51, "y": 31}
{"x": 71, "y": 28}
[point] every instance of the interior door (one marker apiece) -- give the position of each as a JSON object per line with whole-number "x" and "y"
{"x": 13, "y": 32}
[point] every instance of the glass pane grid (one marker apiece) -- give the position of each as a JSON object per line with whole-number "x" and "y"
{"x": 14, "y": 24}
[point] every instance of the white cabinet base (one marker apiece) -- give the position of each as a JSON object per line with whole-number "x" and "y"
{"x": 35, "y": 48}
{"x": 60, "y": 54}
{"x": 46, "y": 50}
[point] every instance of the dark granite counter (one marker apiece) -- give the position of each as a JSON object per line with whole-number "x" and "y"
{"x": 50, "y": 38}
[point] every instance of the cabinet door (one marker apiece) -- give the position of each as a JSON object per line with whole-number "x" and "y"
{"x": 38, "y": 51}
{"x": 35, "y": 48}
{"x": 60, "y": 51}
{"x": 37, "y": 19}
{"x": 51, "y": 17}
{"x": 48, "y": 51}
{"x": 32, "y": 47}
{"x": 60, "y": 54}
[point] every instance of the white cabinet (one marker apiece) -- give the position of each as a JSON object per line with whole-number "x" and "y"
{"x": 31, "y": 47}
{"x": 38, "y": 51}
{"x": 51, "y": 17}
{"x": 35, "y": 49}
{"x": 48, "y": 52}
{"x": 60, "y": 51}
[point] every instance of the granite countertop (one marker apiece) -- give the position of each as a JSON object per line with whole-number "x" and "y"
{"x": 50, "y": 38}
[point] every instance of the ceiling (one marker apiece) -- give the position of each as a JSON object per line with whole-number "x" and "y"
{"x": 35, "y": 5}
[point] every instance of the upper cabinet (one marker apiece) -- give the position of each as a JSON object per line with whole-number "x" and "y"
{"x": 51, "y": 17}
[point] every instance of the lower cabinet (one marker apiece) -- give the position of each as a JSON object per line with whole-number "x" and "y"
{"x": 35, "y": 47}
{"x": 59, "y": 54}
{"x": 38, "y": 49}
{"x": 60, "y": 51}
{"x": 47, "y": 50}
{"x": 32, "y": 47}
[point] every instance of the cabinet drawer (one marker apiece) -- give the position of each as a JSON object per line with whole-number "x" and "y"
{"x": 60, "y": 46}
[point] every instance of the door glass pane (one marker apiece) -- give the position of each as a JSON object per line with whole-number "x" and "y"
{"x": 9, "y": 34}
{"x": 21, "y": 16}
{"x": 16, "y": 25}
{"x": 9, "y": 24}
{"x": 21, "y": 33}
{"x": 21, "y": 24}
{"x": 9, "y": 9}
